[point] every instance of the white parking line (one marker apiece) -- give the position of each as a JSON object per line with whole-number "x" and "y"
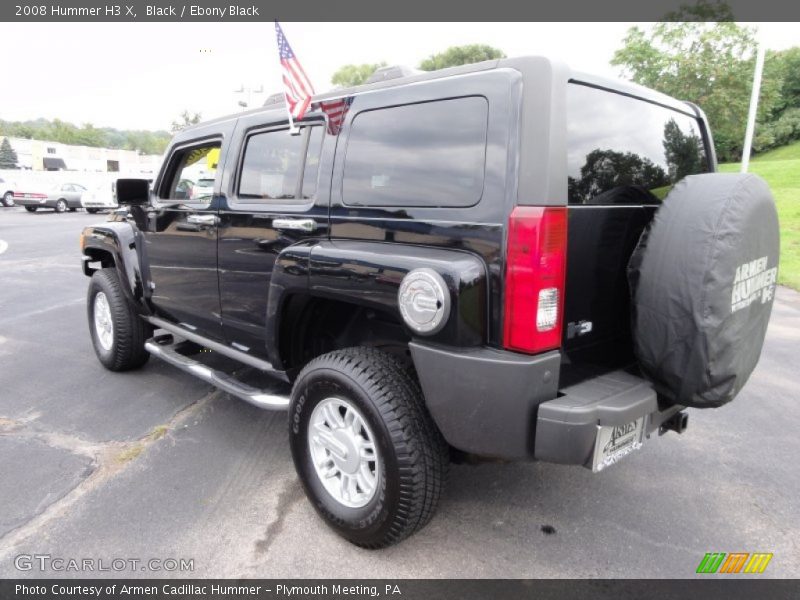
{"x": 3, "y": 246}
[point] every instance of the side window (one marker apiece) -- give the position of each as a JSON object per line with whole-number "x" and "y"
{"x": 191, "y": 174}
{"x": 429, "y": 154}
{"x": 622, "y": 150}
{"x": 311, "y": 169}
{"x": 272, "y": 166}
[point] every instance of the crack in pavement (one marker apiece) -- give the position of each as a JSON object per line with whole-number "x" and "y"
{"x": 291, "y": 494}
{"x": 108, "y": 460}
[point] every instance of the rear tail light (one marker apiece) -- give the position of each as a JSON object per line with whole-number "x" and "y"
{"x": 536, "y": 259}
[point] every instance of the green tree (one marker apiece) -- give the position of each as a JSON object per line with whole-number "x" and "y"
{"x": 699, "y": 54}
{"x": 607, "y": 170}
{"x": 148, "y": 142}
{"x": 460, "y": 55}
{"x": 8, "y": 157}
{"x": 352, "y": 75}
{"x": 89, "y": 136}
{"x": 789, "y": 64}
{"x": 682, "y": 151}
{"x": 185, "y": 120}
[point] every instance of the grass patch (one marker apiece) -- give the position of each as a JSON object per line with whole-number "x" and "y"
{"x": 780, "y": 168}
{"x": 158, "y": 432}
{"x": 788, "y": 152}
{"x": 129, "y": 454}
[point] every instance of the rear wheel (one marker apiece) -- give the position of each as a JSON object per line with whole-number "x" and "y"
{"x": 31, "y": 208}
{"x": 118, "y": 333}
{"x": 61, "y": 206}
{"x": 8, "y": 199}
{"x": 368, "y": 454}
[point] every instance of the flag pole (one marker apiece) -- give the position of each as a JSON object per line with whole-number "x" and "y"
{"x": 751, "y": 117}
{"x": 293, "y": 129}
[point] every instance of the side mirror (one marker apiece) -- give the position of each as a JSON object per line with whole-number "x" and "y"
{"x": 133, "y": 191}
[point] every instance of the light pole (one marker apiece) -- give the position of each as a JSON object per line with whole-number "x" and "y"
{"x": 751, "y": 117}
{"x": 248, "y": 91}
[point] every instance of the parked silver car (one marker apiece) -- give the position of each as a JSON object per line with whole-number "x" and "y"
{"x": 60, "y": 197}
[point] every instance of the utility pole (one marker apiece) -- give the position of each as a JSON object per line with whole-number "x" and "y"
{"x": 751, "y": 117}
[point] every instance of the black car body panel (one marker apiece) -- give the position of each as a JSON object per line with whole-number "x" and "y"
{"x": 121, "y": 245}
{"x": 297, "y": 220}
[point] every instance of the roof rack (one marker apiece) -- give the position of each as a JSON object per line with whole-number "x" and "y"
{"x": 391, "y": 72}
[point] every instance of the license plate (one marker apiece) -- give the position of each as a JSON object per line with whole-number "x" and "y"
{"x": 615, "y": 441}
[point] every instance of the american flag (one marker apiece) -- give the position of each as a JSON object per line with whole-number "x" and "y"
{"x": 297, "y": 88}
{"x": 336, "y": 111}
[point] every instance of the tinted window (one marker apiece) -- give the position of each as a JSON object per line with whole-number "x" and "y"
{"x": 311, "y": 169}
{"x": 621, "y": 150}
{"x": 430, "y": 154}
{"x": 189, "y": 167}
{"x": 272, "y": 163}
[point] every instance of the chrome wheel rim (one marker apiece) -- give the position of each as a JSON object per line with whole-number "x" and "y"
{"x": 103, "y": 325}
{"x": 61, "y": 206}
{"x": 343, "y": 451}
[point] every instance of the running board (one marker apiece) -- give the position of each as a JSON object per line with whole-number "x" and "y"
{"x": 260, "y": 398}
{"x": 238, "y": 355}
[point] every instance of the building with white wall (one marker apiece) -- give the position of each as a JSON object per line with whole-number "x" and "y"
{"x": 38, "y": 155}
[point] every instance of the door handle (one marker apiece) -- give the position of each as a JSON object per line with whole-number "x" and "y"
{"x": 207, "y": 220}
{"x": 307, "y": 225}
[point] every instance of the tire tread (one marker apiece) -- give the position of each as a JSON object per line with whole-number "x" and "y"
{"x": 421, "y": 451}
{"x": 130, "y": 331}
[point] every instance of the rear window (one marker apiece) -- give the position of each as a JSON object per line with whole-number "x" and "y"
{"x": 430, "y": 154}
{"x": 622, "y": 150}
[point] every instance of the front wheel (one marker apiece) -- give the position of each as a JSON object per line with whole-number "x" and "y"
{"x": 91, "y": 211}
{"x": 8, "y": 199}
{"x": 370, "y": 458}
{"x": 61, "y": 206}
{"x": 118, "y": 333}
{"x": 31, "y": 208}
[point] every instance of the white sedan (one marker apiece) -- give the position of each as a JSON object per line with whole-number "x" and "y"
{"x": 100, "y": 197}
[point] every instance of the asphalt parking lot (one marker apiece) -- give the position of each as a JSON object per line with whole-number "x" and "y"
{"x": 156, "y": 465}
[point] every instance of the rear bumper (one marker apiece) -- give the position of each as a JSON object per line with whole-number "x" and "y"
{"x": 567, "y": 427}
{"x": 484, "y": 400}
{"x": 31, "y": 202}
{"x": 508, "y": 405}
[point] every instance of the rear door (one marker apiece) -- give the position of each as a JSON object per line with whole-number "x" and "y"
{"x": 624, "y": 154}
{"x": 74, "y": 195}
{"x": 276, "y": 197}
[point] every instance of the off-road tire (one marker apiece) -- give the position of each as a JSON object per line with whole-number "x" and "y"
{"x": 413, "y": 454}
{"x": 130, "y": 331}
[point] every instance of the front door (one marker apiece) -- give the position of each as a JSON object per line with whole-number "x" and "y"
{"x": 181, "y": 239}
{"x": 273, "y": 200}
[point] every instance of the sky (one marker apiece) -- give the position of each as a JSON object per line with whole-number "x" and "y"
{"x": 143, "y": 75}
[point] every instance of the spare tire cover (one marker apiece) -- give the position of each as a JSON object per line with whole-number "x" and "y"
{"x": 703, "y": 281}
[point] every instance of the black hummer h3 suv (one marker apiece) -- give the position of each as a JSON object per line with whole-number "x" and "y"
{"x": 507, "y": 259}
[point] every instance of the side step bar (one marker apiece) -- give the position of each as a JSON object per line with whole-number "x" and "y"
{"x": 260, "y": 398}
